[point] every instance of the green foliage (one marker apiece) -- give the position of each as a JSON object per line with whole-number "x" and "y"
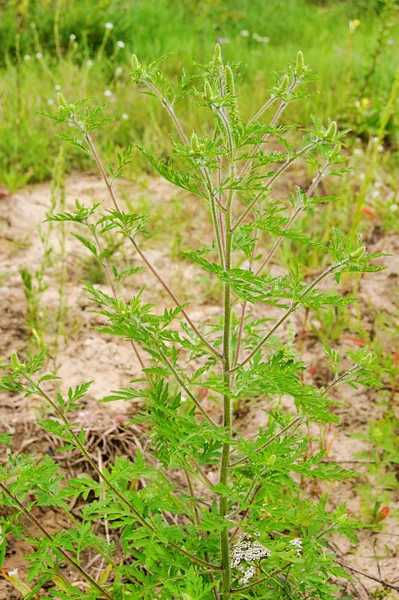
{"x": 171, "y": 539}
{"x": 45, "y": 44}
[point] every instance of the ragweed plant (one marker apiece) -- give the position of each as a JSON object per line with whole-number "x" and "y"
{"x": 236, "y": 523}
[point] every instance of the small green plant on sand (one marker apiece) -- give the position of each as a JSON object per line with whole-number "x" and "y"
{"x": 35, "y": 283}
{"x": 236, "y": 523}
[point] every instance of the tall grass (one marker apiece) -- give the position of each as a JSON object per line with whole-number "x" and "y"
{"x": 262, "y": 35}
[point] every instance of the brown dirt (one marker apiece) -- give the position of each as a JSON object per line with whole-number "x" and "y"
{"x": 87, "y": 355}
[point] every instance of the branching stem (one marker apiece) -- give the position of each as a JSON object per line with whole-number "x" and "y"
{"x": 288, "y": 313}
{"x": 276, "y": 175}
{"x": 135, "y": 244}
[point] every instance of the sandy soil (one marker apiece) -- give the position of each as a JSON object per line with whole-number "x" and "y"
{"x": 87, "y": 355}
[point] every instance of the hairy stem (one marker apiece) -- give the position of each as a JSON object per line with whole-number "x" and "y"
{"x": 215, "y": 221}
{"x": 227, "y": 409}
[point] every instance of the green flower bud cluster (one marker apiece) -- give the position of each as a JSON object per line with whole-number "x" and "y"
{"x": 15, "y": 362}
{"x": 208, "y": 93}
{"x": 335, "y": 153}
{"x": 217, "y": 57}
{"x": 331, "y": 131}
{"x": 138, "y": 69}
{"x": 282, "y": 88}
{"x": 195, "y": 145}
{"x": 368, "y": 359}
{"x": 197, "y": 150}
{"x": 65, "y": 109}
{"x": 230, "y": 90}
{"x": 122, "y": 308}
{"x": 300, "y": 67}
{"x": 357, "y": 254}
{"x": 229, "y": 81}
{"x": 61, "y": 101}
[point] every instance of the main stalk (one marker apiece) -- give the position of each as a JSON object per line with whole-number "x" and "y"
{"x": 227, "y": 409}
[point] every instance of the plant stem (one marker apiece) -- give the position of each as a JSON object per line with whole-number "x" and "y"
{"x": 215, "y": 218}
{"x": 340, "y": 378}
{"x": 285, "y": 316}
{"x": 255, "y": 583}
{"x": 282, "y": 106}
{"x": 309, "y": 194}
{"x": 262, "y": 110}
{"x": 227, "y": 416}
{"x": 355, "y": 570}
{"x": 70, "y": 560}
{"x": 277, "y": 174}
{"x": 113, "y": 284}
{"x": 227, "y": 408}
{"x": 185, "y": 388}
{"x": 135, "y": 244}
{"x": 275, "y": 437}
{"x": 103, "y": 262}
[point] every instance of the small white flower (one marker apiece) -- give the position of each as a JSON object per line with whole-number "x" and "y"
{"x": 50, "y": 101}
{"x": 89, "y": 63}
{"x": 259, "y": 38}
{"x": 120, "y": 44}
{"x": 108, "y": 93}
{"x": 380, "y": 148}
{"x": 72, "y": 36}
{"x": 357, "y": 152}
{"x": 247, "y": 575}
{"x": 362, "y": 176}
{"x": 27, "y": 57}
{"x": 297, "y": 543}
{"x": 118, "y": 70}
{"x": 39, "y": 55}
{"x": 375, "y": 194}
{"x": 13, "y": 572}
{"x": 390, "y": 42}
{"x": 109, "y": 26}
{"x": 57, "y": 87}
{"x": 247, "y": 550}
{"x": 393, "y": 207}
{"x": 244, "y": 33}
{"x": 125, "y": 117}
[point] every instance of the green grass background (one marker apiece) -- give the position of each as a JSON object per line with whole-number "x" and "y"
{"x": 187, "y": 29}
